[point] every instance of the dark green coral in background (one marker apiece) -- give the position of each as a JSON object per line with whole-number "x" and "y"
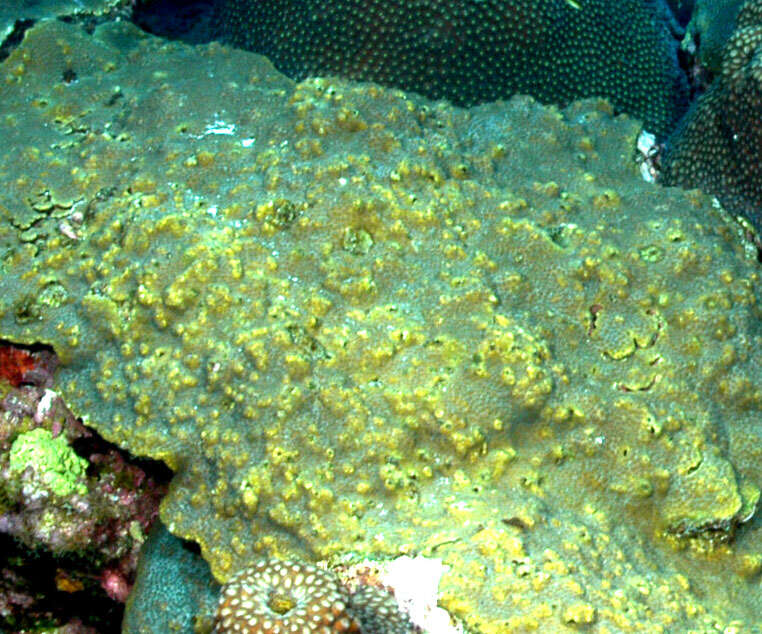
{"x": 473, "y": 51}
{"x": 717, "y": 145}
{"x": 712, "y": 23}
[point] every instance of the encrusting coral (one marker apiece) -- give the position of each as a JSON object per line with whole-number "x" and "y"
{"x": 15, "y": 16}
{"x": 353, "y": 320}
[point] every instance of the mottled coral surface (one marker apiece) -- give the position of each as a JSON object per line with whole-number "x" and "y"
{"x": 359, "y": 323}
{"x": 16, "y": 16}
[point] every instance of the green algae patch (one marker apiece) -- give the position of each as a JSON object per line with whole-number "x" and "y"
{"x": 55, "y": 468}
{"x": 359, "y": 323}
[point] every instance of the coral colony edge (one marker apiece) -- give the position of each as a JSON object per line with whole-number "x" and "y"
{"x": 360, "y": 316}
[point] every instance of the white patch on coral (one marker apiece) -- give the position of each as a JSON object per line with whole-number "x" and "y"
{"x": 646, "y": 174}
{"x": 646, "y": 142}
{"x": 415, "y": 582}
{"x": 647, "y": 149}
{"x": 219, "y": 127}
{"x": 66, "y": 229}
{"x": 44, "y": 405}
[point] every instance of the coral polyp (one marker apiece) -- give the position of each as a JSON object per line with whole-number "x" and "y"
{"x": 279, "y": 597}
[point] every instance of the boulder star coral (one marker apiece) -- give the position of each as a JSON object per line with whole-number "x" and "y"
{"x": 469, "y": 51}
{"x": 718, "y": 144}
{"x": 378, "y": 612}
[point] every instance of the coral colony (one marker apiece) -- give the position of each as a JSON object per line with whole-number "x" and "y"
{"x": 379, "y": 316}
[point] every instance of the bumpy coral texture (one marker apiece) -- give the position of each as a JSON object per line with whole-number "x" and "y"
{"x": 378, "y": 612}
{"x": 174, "y": 590}
{"x": 718, "y": 146}
{"x": 470, "y": 52}
{"x": 280, "y": 597}
{"x": 352, "y": 319}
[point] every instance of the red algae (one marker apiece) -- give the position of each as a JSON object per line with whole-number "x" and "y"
{"x": 14, "y": 364}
